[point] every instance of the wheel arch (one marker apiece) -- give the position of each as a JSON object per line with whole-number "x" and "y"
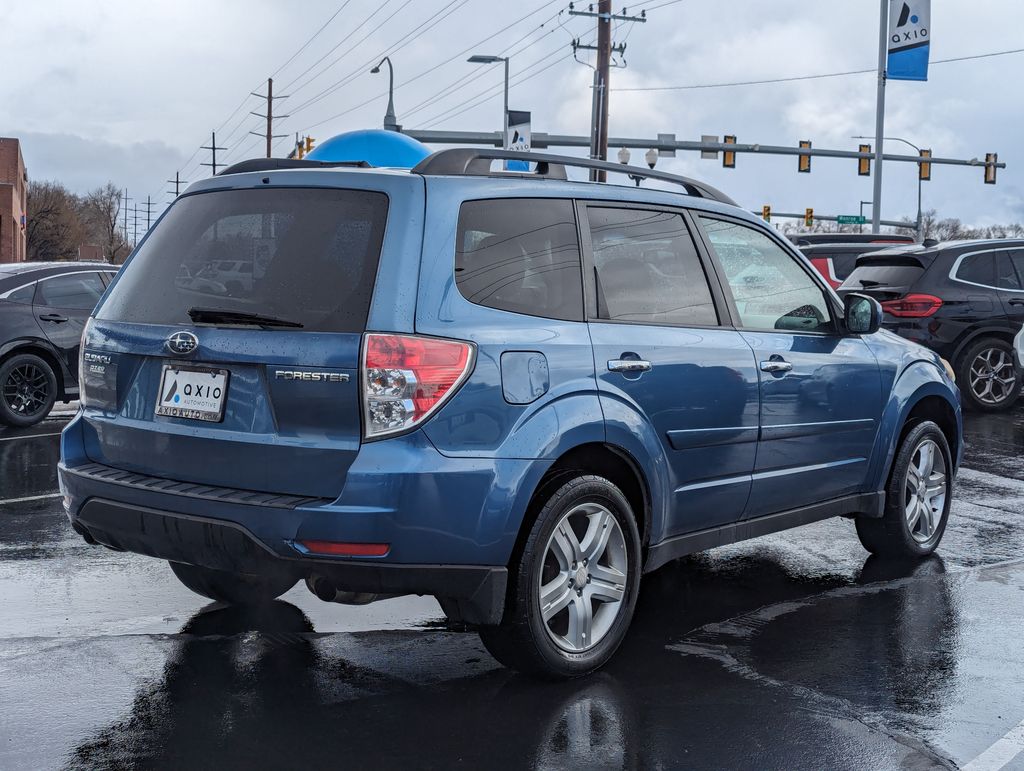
{"x": 604, "y": 459}
{"x": 1000, "y": 333}
{"x": 43, "y": 351}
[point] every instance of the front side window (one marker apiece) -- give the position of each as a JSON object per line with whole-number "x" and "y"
{"x": 771, "y": 290}
{"x": 647, "y": 269}
{"x": 520, "y": 255}
{"x": 308, "y": 256}
{"x": 77, "y": 291}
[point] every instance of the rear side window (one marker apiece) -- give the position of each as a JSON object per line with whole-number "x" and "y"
{"x": 647, "y": 268}
{"x": 1006, "y": 275}
{"x": 978, "y": 269}
{"x": 23, "y": 295}
{"x": 304, "y": 255}
{"x": 520, "y": 255}
{"x": 77, "y": 291}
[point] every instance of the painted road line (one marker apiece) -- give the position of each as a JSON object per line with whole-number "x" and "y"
{"x": 1001, "y": 753}
{"x": 30, "y": 498}
{"x": 27, "y": 436}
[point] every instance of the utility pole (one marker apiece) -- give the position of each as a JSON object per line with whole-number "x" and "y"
{"x": 126, "y": 200}
{"x": 605, "y": 48}
{"x": 883, "y": 50}
{"x": 213, "y": 149}
{"x": 177, "y": 182}
{"x": 269, "y": 115}
{"x": 149, "y": 211}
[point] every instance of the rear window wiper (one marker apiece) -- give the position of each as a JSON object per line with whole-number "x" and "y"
{"x": 225, "y": 316}
{"x": 867, "y": 282}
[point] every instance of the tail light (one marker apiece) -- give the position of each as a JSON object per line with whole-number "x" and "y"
{"x": 407, "y": 378}
{"x": 914, "y": 306}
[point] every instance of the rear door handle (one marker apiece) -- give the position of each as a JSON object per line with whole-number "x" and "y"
{"x": 775, "y": 366}
{"x": 628, "y": 365}
{"x": 54, "y": 317}
{"x": 1017, "y": 301}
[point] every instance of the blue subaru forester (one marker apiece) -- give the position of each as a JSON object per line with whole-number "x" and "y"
{"x": 511, "y": 391}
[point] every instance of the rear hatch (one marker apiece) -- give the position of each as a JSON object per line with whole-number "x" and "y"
{"x": 886, "y": 275}
{"x": 268, "y": 398}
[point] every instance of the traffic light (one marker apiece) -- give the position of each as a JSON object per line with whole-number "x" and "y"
{"x": 804, "y": 163}
{"x": 309, "y": 145}
{"x": 728, "y": 156}
{"x": 808, "y": 217}
{"x": 924, "y": 170}
{"x": 766, "y": 213}
{"x": 990, "y": 168}
{"x": 864, "y": 164}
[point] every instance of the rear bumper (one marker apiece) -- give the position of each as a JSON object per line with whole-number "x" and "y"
{"x": 478, "y": 590}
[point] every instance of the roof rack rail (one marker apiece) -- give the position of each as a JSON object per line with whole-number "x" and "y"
{"x": 271, "y": 164}
{"x": 472, "y": 161}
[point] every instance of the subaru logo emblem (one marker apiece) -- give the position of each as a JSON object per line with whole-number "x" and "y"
{"x": 182, "y": 343}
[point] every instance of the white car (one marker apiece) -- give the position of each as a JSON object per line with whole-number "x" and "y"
{"x": 1018, "y": 346}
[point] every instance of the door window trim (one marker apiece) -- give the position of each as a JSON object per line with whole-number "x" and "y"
{"x": 711, "y": 275}
{"x": 959, "y": 260}
{"x": 828, "y": 294}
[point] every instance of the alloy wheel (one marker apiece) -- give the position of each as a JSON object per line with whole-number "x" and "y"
{"x": 925, "y": 491}
{"x": 26, "y": 390}
{"x": 993, "y": 376}
{"x": 582, "y": 581}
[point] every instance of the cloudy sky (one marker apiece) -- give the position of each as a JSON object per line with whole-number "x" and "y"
{"x": 127, "y": 91}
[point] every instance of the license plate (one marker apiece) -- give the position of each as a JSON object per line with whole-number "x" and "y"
{"x": 192, "y": 392}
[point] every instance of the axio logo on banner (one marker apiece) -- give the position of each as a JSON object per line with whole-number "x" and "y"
{"x": 909, "y": 35}
{"x": 518, "y": 138}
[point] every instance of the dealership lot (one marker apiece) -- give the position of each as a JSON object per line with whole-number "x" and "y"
{"x": 788, "y": 651}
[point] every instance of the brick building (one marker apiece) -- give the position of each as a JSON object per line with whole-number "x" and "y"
{"x": 13, "y": 183}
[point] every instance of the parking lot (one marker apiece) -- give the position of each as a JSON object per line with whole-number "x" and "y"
{"x": 791, "y": 651}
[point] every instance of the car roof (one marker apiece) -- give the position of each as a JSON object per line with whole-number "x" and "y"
{"x": 16, "y": 268}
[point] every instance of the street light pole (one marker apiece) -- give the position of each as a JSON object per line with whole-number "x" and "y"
{"x": 390, "y": 121}
{"x": 883, "y": 43}
{"x": 481, "y": 59}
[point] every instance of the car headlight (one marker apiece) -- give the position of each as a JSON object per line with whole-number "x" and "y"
{"x": 949, "y": 369}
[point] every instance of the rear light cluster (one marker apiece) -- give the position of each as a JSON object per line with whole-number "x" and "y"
{"x": 407, "y": 378}
{"x": 914, "y": 306}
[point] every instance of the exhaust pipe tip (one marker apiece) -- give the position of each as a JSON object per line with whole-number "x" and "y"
{"x": 325, "y": 590}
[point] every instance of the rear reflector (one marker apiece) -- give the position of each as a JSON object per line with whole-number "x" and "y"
{"x": 406, "y": 378}
{"x": 341, "y": 549}
{"x": 915, "y": 306}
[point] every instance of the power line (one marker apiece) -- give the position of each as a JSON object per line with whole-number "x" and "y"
{"x": 807, "y": 77}
{"x": 315, "y": 34}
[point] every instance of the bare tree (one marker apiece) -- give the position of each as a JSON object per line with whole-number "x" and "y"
{"x": 102, "y": 215}
{"x": 54, "y": 229}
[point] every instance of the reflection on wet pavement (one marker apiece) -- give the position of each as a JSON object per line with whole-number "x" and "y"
{"x": 791, "y": 651}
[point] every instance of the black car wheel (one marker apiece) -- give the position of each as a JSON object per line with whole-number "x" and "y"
{"x": 28, "y": 389}
{"x": 574, "y": 587}
{"x": 988, "y": 376}
{"x": 917, "y": 497}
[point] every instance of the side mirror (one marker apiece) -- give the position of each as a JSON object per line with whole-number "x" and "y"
{"x": 863, "y": 314}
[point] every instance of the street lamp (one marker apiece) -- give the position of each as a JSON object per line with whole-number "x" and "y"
{"x": 651, "y": 156}
{"x": 918, "y": 149}
{"x": 480, "y": 59}
{"x": 390, "y": 121}
{"x": 624, "y": 160}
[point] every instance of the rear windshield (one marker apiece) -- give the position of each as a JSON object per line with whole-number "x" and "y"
{"x": 304, "y": 255}
{"x": 868, "y": 276}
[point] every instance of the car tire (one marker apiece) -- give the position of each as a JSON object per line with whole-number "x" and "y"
{"x": 915, "y": 516}
{"x": 28, "y": 389}
{"x": 983, "y": 373}
{"x": 233, "y": 588}
{"x": 586, "y": 536}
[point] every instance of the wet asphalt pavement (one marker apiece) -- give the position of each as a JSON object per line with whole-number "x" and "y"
{"x": 791, "y": 651}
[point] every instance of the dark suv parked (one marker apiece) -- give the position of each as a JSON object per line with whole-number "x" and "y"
{"x": 836, "y": 261}
{"x": 962, "y": 299}
{"x": 43, "y": 308}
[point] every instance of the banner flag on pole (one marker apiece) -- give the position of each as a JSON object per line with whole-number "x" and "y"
{"x": 909, "y": 34}
{"x": 518, "y": 138}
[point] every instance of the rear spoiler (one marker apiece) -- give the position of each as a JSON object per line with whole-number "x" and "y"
{"x": 902, "y": 259}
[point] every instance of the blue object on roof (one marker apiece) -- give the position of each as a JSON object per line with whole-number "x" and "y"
{"x": 375, "y": 146}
